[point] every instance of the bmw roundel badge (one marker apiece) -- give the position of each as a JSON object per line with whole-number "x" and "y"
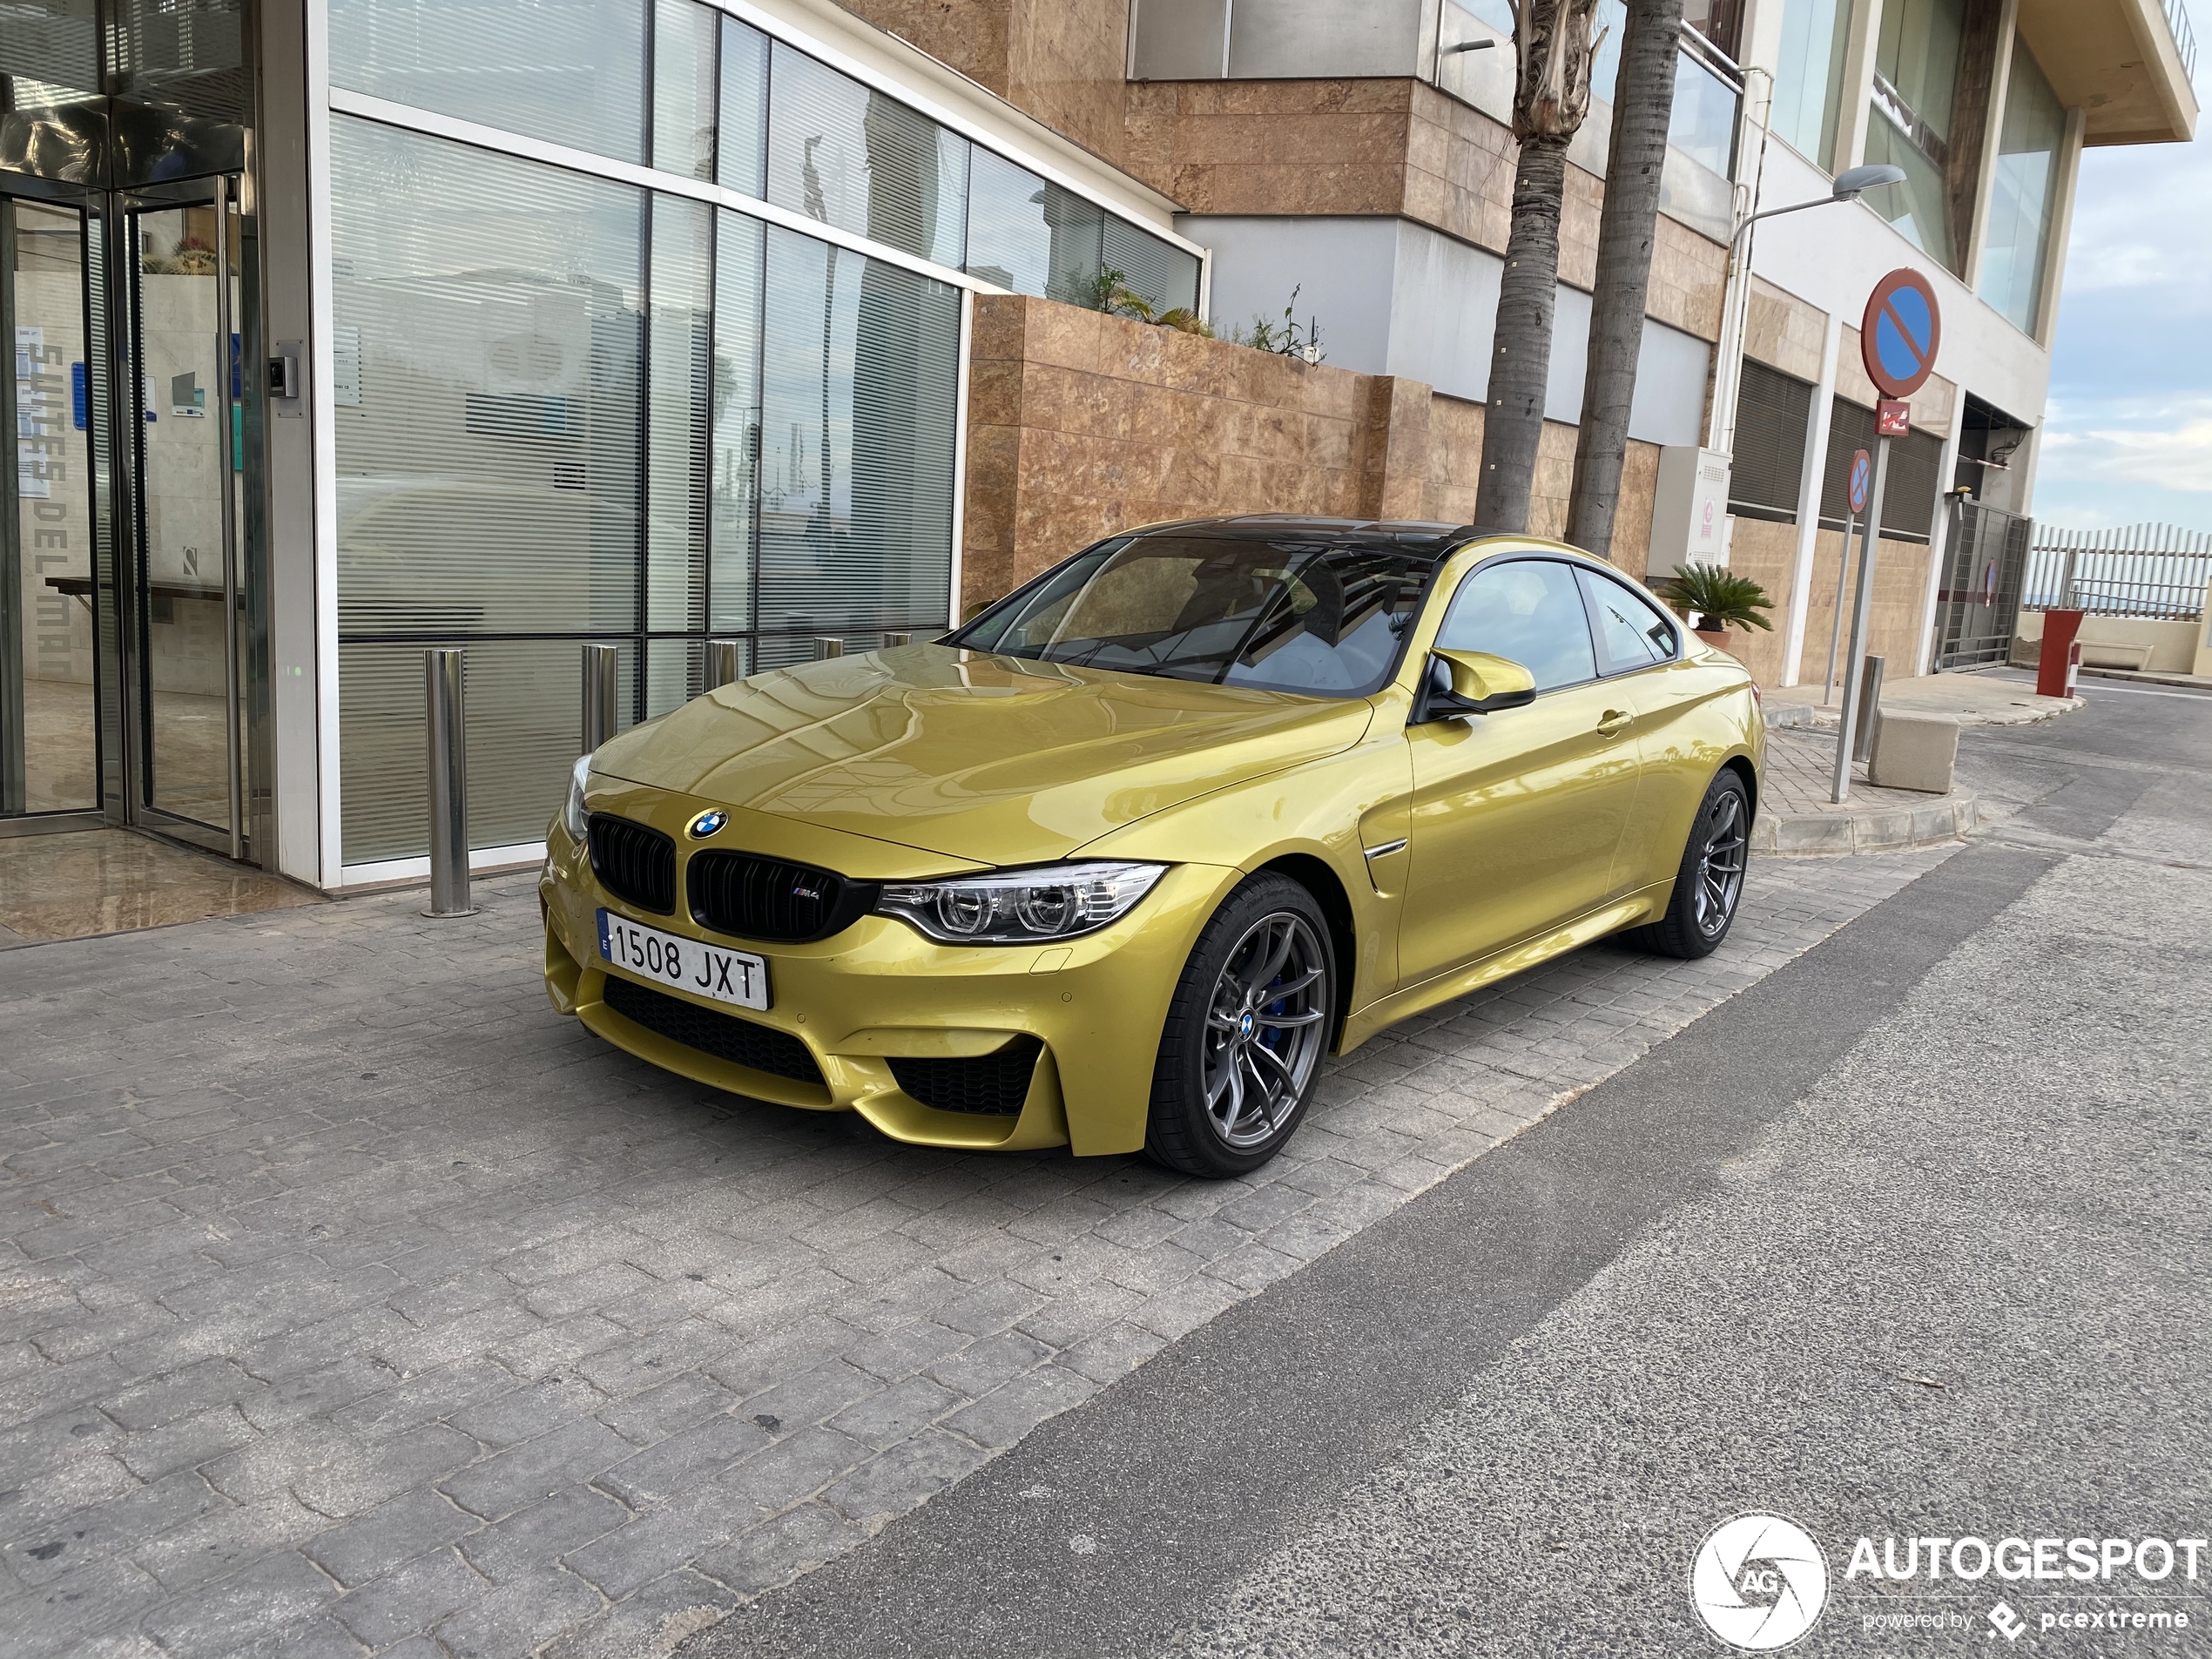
{"x": 706, "y": 823}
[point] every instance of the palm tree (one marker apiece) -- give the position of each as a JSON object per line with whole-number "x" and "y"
{"x": 1643, "y": 103}
{"x": 1554, "y": 49}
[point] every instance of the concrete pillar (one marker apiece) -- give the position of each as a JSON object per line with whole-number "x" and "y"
{"x": 2000, "y": 78}
{"x": 1859, "y": 86}
{"x": 1804, "y": 569}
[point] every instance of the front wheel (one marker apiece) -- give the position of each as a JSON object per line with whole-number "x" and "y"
{"x": 1710, "y": 884}
{"x": 1241, "y": 1052}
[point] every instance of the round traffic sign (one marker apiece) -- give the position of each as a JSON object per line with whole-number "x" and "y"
{"x": 1899, "y": 335}
{"x": 1862, "y": 472}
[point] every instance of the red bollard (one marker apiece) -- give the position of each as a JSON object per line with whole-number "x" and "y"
{"x": 2059, "y": 660}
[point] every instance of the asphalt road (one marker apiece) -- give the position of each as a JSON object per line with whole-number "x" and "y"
{"x": 1906, "y": 1240}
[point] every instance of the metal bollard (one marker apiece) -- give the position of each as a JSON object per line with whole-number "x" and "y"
{"x": 602, "y": 672}
{"x": 722, "y": 662}
{"x": 1869, "y": 709}
{"x": 448, "y": 781}
{"x": 826, "y": 647}
{"x": 889, "y": 640}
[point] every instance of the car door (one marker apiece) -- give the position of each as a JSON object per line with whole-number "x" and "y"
{"x": 1516, "y": 815}
{"x": 1640, "y": 651}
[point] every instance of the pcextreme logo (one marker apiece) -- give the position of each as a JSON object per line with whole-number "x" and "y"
{"x": 1759, "y": 1583}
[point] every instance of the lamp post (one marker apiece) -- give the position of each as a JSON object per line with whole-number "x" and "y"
{"x": 1720, "y": 431}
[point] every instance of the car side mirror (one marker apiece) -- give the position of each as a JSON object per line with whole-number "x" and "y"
{"x": 1470, "y": 682}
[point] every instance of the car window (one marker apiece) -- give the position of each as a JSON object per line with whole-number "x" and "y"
{"x": 1287, "y": 613}
{"x": 1527, "y": 612}
{"x": 1633, "y": 635}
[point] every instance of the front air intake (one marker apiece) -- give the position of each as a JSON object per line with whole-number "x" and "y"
{"x": 771, "y": 900}
{"x": 760, "y": 1047}
{"x": 993, "y": 1084}
{"x": 636, "y": 864}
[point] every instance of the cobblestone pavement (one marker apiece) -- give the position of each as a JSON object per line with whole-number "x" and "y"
{"x": 354, "y": 1302}
{"x": 1801, "y": 773}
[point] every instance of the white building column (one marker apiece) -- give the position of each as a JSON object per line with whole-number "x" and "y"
{"x": 1812, "y": 481}
{"x": 1939, "y": 535}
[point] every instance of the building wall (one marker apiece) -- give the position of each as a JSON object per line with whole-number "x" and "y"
{"x": 1081, "y": 424}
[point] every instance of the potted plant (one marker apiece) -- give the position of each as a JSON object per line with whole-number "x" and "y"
{"x": 1715, "y": 600}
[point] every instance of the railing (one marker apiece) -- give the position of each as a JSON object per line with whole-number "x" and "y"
{"x": 2177, "y": 19}
{"x": 2144, "y": 570}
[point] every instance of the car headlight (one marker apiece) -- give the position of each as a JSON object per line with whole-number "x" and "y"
{"x": 572, "y": 813}
{"x": 1019, "y": 906}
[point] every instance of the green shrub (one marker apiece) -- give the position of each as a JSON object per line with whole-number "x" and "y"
{"x": 1717, "y": 597}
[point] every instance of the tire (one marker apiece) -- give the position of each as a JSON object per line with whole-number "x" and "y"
{"x": 1237, "y": 1069}
{"x": 1708, "y": 887}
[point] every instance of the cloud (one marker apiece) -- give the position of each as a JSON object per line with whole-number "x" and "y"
{"x": 2179, "y": 458}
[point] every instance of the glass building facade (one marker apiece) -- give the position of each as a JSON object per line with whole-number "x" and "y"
{"x": 574, "y": 407}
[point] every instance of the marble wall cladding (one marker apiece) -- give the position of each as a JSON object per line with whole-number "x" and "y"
{"x": 1081, "y": 424}
{"x": 1766, "y": 552}
{"x": 1273, "y": 146}
{"x": 970, "y": 36}
{"x": 1689, "y": 280}
{"x": 1783, "y": 330}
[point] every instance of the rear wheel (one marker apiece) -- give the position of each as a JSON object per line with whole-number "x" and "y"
{"x": 1241, "y": 1052}
{"x": 1710, "y": 884}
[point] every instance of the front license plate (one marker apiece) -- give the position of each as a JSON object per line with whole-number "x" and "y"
{"x": 737, "y": 977}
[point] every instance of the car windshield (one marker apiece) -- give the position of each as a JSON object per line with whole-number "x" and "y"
{"x": 1281, "y": 614}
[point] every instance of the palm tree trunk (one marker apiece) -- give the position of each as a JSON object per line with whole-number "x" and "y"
{"x": 1643, "y": 105}
{"x": 1512, "y": 425}
{"x": 1554, "y": 50}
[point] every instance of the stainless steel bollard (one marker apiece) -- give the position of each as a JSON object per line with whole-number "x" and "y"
{"x": 449, "y": 780}
{"x": 827, "y": 647}
{"x": 723, "y": 661}
{"x": 602, "y": 672}
{"x": 889, "y": 640}
{"x": 1869, "y": 709}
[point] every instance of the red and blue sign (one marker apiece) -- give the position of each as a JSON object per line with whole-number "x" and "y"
{"x": 1900, "y": 334}
{"x": 1862, "y": 473}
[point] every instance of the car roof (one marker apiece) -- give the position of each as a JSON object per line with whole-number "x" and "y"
{"x": 1421, "y": 537}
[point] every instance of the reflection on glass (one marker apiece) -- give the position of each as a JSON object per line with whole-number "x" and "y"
{"x": 858, "y": 397}
{"x": 1030, "y": 236}
{"x": 186, "y": 372}
{"x": 486, "y": 313}
{"x": 683, "y": 88}
{"x": 47, "y": 752}
{"x": 849, "y": 156}
{"x": 742, "y": 146}
{"x": 1917, "y": 55}
{"x": 1809, "y": 75}
{"x": 736, "y": 456}
{"x": 568, "y": 71}
{"x": 2026, "y": 181}
{"x": 1703, "y": 126}
{"x": 676, "y": 413}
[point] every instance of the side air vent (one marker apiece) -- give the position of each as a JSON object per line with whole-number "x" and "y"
{"x": 726, "y": 1037}
{"x": 995, "y": 1084}
{"x": 634, "y": 863}
{"x": 768, "y": 899}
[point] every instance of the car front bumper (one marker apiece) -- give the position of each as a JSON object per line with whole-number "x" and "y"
{"x": 880, "y": 991}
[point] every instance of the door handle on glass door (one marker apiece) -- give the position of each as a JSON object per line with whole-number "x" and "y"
{"x": 1614, "y": 723}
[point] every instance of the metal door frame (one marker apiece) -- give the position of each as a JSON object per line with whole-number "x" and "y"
{"x": 89, "y": 206}
{"x": 224, "y": 192}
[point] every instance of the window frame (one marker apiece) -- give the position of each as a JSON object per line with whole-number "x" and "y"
{"x": 1530, "y": 555}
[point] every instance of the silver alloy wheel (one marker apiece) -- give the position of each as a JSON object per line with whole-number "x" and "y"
{"x": 1266, "y": 1028}
{"x": 1720, "y": 866}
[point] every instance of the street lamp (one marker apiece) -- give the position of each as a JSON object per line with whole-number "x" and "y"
{"x": 1720, "y": 432}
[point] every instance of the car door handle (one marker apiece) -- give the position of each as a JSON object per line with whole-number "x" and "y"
{"x": 1614, "y": 723}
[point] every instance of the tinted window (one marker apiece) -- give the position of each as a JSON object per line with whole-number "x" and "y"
{"x": 1529, "y": 612}
{"x": 1633, "y": 635}
{"x": 1281, "y": 614}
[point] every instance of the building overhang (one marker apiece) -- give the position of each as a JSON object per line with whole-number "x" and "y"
{"x": 2118, "y": 62}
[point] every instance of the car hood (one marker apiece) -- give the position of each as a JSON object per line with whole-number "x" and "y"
{"x": 992, "y": 760}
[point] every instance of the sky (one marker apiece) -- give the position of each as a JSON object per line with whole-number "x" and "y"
{"x": 2128, "y": 432}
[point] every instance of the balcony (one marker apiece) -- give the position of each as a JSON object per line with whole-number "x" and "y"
{"x": 2126, "y": 65}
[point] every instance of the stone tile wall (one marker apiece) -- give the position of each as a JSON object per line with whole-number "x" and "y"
{"x": 1081, "y": 424}
{"x": 1766, "y": 552}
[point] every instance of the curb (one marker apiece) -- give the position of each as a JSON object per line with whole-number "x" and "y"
{"x": 1837, "y": 834}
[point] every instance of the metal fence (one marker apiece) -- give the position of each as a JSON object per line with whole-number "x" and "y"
{"x": 2177, "y": 19}
{"x": 2144, "y": 570}
{"x": 1978, "y": 603}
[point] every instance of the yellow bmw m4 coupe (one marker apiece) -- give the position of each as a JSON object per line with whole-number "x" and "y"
{"x": 1116, "y": 865}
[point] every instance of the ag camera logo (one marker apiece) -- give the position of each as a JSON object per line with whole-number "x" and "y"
{"x": 1759, "y": 1583}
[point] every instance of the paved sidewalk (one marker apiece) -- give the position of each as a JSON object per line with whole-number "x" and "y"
{"x": 1798, "y": 819}
{"x": 354, "y": 1302}
{"x": 1973, "y": 699}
